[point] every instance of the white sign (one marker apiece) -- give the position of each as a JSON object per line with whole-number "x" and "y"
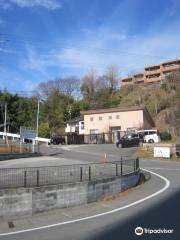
{"x": 162, "y": 152}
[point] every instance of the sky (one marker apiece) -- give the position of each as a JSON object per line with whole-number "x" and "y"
{"x": 41, "y": 40}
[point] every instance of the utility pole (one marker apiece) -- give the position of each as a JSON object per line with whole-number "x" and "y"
{"x": 5, "y": 119}
{"x": 5, "y": 123}
{"x": 37, "y": 121}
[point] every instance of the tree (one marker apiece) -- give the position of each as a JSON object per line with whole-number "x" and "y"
{"x": 69, "y": 86}
{"x": 44, "y": 130}
{"x": 88, "y": 85}
{"x": 21, "y": 111}
{"x": 112, "y": 77}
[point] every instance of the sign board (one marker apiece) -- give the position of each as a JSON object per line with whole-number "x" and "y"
{"x": 27, "y": 133}
{"x": 163, "y": 152}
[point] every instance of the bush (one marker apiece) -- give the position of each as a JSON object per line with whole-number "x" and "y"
{"x": 165, "y": 136}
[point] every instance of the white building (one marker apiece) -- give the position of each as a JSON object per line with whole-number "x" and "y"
{"x": 75, "y": 125}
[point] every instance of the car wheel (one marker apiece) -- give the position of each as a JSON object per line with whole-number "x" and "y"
{"x": 151, "y": 141}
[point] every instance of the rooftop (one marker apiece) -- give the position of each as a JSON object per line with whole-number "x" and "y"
{"x": 117, "y": 109}
{"x": 76, "y": 119}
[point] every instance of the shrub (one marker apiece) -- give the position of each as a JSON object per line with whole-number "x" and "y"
{"x": 165, "y": 136}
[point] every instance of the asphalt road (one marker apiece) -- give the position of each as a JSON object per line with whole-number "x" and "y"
{"x": 154, "y": 205}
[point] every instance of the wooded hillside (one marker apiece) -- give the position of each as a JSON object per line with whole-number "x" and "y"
{"x": 63, "y": 99}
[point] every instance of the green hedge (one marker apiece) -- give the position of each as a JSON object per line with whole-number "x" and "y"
{"x": 165, "y": 136}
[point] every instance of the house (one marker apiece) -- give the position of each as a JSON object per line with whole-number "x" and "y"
{"x": 75, "y": 125}
{"x": 104, "y": 125}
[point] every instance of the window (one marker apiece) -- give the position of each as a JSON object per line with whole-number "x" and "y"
{"x": 117, "y": 116}
{"x": 134, "y": 135}
{"x": 93, "y": 131}
{"x": 110, "y": 117}
{"x": 82, "y": 125}
{"x": 100, "y": 118}
{"x": 93, "y": 135}
{"x": 91, "y": 119}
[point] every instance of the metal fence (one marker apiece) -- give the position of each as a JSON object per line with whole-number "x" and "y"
{"x": 102, "y": 137}
{"x": 41, "y": 176}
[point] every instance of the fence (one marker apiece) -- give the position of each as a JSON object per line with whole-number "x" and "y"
{"x": 14, "y": 147}
{"x": 40, "y": 176}
{"x": 102, "y": 137}
{"x": 75, "y": 138}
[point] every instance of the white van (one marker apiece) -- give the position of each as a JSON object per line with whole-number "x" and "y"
{"x": 150, "y": 136}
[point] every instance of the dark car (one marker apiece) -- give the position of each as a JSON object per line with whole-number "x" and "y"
{"x": 57, "y": 140}
{"x": 130, "y": 140}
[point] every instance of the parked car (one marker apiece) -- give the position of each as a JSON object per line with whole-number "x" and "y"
{"x": 150, "y": 135}
{"x": 130, "y": 140}
{"x": 147, "y": 131}
{"x": 152, "y": 138}
{"x": 57, "y": 140}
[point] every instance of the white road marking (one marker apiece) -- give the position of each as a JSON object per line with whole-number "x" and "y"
{"x": 158, "y": 161}
{"x": 167, "y": 184}
{"x": 159, "y": 168}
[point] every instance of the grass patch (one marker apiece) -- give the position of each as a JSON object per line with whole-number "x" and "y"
{"x": 148, "y": 153}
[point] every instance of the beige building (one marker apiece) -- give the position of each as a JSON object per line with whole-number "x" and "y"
{"x": 116, "y": 119}
{"x": 153, "y": 73}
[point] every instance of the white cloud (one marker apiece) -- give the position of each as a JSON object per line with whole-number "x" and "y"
{"x": 97, "y": 50}
{"x": 4, "y": 50}
{"x": 34, "y": 61}
{"x": 18, "y": 80}
{"x": 49, "y": 4}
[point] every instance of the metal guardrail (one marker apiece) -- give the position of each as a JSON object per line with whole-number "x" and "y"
{"x": 42, "y": 176}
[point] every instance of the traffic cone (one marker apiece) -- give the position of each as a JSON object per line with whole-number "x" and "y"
{"x": 104, "y": 158}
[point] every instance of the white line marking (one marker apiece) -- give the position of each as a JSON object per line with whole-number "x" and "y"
{"x": 167, "y": 184}
{"x": 159, "y": 168}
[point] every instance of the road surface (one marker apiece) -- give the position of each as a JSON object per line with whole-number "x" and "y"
{"x": 153, "y": 206}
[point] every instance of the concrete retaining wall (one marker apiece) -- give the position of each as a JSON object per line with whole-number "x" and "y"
{"x": 9, "y": 156}
{"x": 26, "y": 201}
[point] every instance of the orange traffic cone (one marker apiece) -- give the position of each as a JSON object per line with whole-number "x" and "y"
{"x": 104, "y": 158}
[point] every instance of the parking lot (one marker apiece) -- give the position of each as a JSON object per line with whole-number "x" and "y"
{"x": 67, "y": 164}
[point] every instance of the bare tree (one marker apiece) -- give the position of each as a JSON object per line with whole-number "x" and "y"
{"x": 69, "y": 86}
{"x": 112, "y": 75}
{"x": 88, "y": 85}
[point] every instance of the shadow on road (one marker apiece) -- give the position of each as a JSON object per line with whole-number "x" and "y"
{"x": 163, "y": 215}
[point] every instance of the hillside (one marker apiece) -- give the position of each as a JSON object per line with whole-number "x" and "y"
{"x": 162, "y": 101}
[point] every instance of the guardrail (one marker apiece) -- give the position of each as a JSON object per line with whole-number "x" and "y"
{"x": 42, "y": 176}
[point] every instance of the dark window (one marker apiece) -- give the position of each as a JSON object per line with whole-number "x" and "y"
{"x": 152, "y": 132}
{"x": 134, "y": 135}
{"x": 82, "y": 126}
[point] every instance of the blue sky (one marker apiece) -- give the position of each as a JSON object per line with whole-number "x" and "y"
{"x": 44, "y": 39}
